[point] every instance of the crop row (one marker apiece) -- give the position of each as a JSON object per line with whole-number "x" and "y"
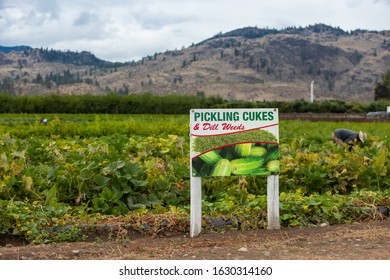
{"x": 122, "y": 165}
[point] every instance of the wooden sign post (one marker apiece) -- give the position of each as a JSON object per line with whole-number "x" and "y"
{"x": 229, "y": 142}
{"x": 273, "y": 202}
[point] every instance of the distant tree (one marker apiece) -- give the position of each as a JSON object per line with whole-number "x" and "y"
{"x": 88, "y": 81}
{"x": 251, "y": 61}
{"x": 382, "y": 88}
{"x": 200, "y": 94}
{"x": 263, "y": 62}
{"x": 38, "y": 79}
{"x": 7, "y": 85}
{"x": 124, "y": 90}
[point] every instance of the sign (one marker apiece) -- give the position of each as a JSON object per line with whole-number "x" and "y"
{"x": 228, "y": 142}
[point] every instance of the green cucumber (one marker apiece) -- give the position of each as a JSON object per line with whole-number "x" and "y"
{"x": 211, "y": 157}
{"x": 273, "y": 166}
{"x": 258, "y": 151}
{"x": 243, "y": 150}
{"x": 247, "y": 165}
{"x": 222, "y": 168}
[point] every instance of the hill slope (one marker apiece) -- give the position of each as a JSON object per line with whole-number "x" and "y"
{"x": 247, "y": 63}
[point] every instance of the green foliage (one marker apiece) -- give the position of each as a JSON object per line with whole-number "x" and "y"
{"x": 159, "y": 104}
{"x": 69, "y": 234}
{"x": 110, "y": 172}
{"x": 249, "y": 211}
{"x": 103, "y": 104}
{"x": 91, "y": 165}
{"x": 30, "y": 220}
{"x": 314, "y": 163}
{"x": 297, "y": 209}
{"x": 85, "y": 126}
{"x": 301, "y": 106}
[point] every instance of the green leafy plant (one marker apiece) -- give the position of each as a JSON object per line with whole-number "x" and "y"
{"x": 69, "y": 234}
{"x": 87, "y": 166}
{"x": 30, "y": 220}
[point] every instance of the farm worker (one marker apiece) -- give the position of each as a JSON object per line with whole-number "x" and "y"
{"x": 349, "y": 137}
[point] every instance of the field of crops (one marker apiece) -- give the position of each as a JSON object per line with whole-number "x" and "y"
{"x": 77, "y": 169}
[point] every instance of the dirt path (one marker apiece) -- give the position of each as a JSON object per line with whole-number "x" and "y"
{"x": 355, "y": 241}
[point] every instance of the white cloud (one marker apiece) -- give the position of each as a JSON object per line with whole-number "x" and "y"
{"x": 120, "y": 30}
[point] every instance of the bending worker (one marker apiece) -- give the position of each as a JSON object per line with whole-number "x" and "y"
{"x": 349, "y": 137}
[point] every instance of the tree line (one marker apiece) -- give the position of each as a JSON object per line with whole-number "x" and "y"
{"x": 167, "y": 104}
{"x": 105, "y": 104}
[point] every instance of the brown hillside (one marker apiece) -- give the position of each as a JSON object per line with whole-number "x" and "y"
{"x": 242, "y": 64}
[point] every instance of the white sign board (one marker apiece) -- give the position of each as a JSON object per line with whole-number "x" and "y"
{"x": 229, "y": 142}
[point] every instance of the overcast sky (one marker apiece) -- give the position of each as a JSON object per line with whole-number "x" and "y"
{"x": 125, "y": 30}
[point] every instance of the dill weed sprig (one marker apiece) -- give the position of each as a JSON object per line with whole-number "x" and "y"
{"x": 205, "y": 143}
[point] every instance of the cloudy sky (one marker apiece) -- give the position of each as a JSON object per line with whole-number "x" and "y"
{"x": 125, "y": 30}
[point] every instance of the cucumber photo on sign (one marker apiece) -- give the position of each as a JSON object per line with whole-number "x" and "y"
{"x": 243, "y": 159}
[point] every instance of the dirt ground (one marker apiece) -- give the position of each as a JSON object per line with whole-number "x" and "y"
{"x": 363, "y": 241}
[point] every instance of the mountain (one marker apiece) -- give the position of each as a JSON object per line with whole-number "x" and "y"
{"x": 249, "y": 63}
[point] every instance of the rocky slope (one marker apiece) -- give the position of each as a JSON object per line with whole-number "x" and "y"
{"x": 244, "y": 64}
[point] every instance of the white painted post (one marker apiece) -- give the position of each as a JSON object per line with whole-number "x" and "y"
{"x": 196, "y": 206}
{"x": 273, "y": 202}
{"x": 312, "y": 91}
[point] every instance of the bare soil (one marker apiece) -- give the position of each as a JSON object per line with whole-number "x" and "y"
{"x": 364, "y": 241}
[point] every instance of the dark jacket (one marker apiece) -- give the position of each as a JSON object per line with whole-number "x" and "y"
{"x": 347, "y": 136}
